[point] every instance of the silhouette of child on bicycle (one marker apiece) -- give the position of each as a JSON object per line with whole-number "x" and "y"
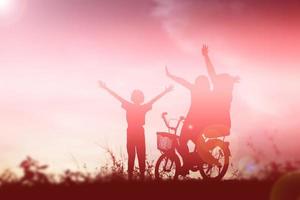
{"x": 209, "y": 112}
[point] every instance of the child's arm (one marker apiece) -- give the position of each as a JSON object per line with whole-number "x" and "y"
{"x": 179, "y": 80}
{"x": 209, "y": 66}
{"x": 103, "y": 86}
{"x": 168, "y": 89}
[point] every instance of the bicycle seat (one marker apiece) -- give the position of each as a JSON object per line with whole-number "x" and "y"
{"x": 217, "y": 130}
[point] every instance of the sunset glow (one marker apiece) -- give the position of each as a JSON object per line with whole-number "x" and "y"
{"x": 52, "y": 57}
{"x": 5, "y": 5}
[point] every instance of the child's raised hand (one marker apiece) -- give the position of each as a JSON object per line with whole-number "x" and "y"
{"x": 102, "y": 84}
{"x": 205, "y": 50}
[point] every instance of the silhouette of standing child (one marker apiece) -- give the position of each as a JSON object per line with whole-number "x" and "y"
{"x": 135, "y": 116}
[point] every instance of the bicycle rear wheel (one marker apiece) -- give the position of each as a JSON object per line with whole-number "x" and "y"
{"x": 212, "y": 172}
{"x": 167, "y": 167}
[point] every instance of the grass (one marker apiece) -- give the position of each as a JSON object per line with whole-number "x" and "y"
{"x": 110, "y": 182}
{"x": 139, "y": 190}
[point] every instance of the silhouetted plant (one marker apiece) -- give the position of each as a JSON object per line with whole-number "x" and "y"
{"x": 271, "y": 170}
{"x": 33, "y": 172}
{"x": 8, "y": 177}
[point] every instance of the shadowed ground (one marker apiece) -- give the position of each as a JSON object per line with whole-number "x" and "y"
{"x": 147, "y": 190}
{"x": 111, "y": 183}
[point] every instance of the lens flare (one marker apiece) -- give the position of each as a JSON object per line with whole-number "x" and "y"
{"x": 5, "y": 6}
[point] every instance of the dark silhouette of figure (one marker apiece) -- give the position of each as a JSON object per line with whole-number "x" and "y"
{"x": 223, "y": 85}
{"x": 209, "y": 112}
{"x": 198, "y": 117}
{"x": 219, "y": 122}
{"x": 135, "y": 116}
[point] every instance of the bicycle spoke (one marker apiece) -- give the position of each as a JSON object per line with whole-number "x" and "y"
{"x": 167, "y": 168}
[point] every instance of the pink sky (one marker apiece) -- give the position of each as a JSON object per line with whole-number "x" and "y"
{"x": 53, "y": 52}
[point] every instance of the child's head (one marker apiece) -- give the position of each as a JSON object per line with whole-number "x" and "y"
{"x": 202, "y": 82}
{"x": 137, "y": 97}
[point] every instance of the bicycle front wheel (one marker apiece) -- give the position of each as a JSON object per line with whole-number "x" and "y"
{"x": 167, "y": 167}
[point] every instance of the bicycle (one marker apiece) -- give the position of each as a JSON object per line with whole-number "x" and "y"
{"x": 168, "y": 165}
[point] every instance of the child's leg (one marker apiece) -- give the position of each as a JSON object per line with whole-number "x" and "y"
{"x": 141, "y": 152}
{"x": 185, "y": 136}
{"x": 131, "y": 155}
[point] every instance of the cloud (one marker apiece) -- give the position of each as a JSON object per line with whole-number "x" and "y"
{"x": 178, "y": 19}
{"x": 232, "y": 22}
{"x": 173, "y": 19}
{"x": 255, "y": 40}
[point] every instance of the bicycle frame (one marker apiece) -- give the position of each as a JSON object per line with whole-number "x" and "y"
{"x": 208, "y": 171}
{"x": 208, "y": 141}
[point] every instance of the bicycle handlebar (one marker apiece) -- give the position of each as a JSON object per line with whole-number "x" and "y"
{"x": 163, "y": 115}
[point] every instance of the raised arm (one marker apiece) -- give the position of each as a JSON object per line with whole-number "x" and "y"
{"x": 209, "y": 66}
{"x": 179, "y": 80}
{"x": 103, "y": 86}
{"x": 168, "y": 89}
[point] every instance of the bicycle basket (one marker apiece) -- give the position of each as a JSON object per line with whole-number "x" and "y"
{"x": 166, "y": 141}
